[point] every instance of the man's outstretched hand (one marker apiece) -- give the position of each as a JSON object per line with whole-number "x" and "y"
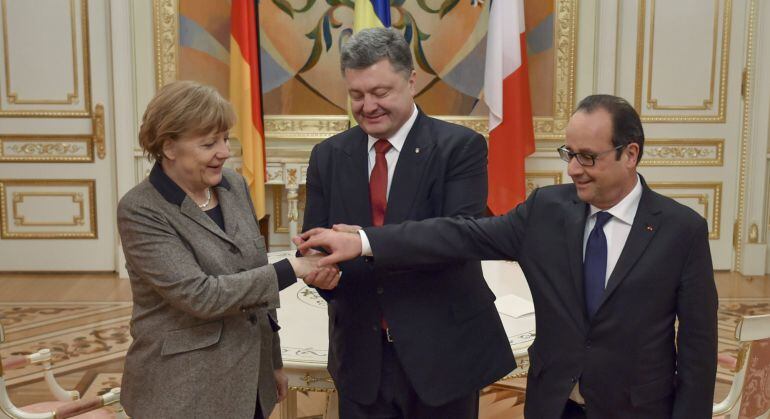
{"x": 340, "y": 246}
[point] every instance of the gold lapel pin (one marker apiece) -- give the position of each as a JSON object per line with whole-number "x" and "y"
{"x": 417, "y": 150}
{"x": 649, "y": 228}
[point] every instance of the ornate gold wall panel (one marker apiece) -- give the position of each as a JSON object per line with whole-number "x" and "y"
{"x": 539, "y": 179}
{"x": 703, "y": 197}
{"x": 279, "y": 196}
{"x": 48, "y": 209}
{"x": 549, "y": 131}
{"x": 319, "y": 127}
{"x": 565, "y": 41}
{"x": 745, "y": 135}
{"x": 700, "y": 109}
{"x": 16, "y": 100}
{"x": 46, "y": 148}
{"x": 683, "y": 152}
{"x": 166, "y": 16}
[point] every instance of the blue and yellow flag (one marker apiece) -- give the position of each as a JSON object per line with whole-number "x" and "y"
{"x": 371, "y": 14}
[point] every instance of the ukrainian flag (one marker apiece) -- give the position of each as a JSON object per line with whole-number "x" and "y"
{"x": 371, "y": 14}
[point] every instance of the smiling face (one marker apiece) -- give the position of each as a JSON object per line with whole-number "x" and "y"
{"x": 609, "y": 180}
{"x": 382, "y": 99}
{"x": 195, "y": 162}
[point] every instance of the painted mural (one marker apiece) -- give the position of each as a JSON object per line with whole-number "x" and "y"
{"x": 300, "y": 41}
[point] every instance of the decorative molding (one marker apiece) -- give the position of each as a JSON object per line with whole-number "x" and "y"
{"x": 745, "y": 135}
{"x": 13, "y": 97}
{"x": 683, "y": 152}
{"x": 97, "y": 124}
{"x": 72, "y": 98}
{"x": 19, "y": 219}
{"x": 274, "y": 174}
{"x": 278, "y": 211}
{"x": 565, "y": 45}
{"x": 708, "y": 102}
{"x": 685, "y": 191}
{"x": 46, "y": 148}
{"x": 479, "y": 124}
{"x": 317, "y": 126}
{"x": 553, "y": 178}
{"x": 166, "y": 19}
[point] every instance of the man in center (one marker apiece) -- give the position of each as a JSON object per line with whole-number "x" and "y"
{"x": 412, "y": 343}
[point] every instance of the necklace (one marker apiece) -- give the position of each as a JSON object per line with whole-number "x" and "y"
{"x": 208, "y": 199}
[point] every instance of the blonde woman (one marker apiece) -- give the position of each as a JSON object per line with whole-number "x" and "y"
{"x": 204, "y": 324}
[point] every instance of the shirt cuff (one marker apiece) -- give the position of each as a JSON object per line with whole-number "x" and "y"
{"x": 366, "y": 249}
{"x": 285, "y": 273}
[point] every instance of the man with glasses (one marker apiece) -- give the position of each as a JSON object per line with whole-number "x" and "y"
{"x": 621, "y": 277}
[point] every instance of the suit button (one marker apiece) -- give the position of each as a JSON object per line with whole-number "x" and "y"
{"x": 588, "y": 344}
{"x": 375, "y": 328}
{"x": 380, "y": 290}
{"x": 574, "y": 380}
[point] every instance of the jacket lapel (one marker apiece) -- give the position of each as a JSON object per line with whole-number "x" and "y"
{"x": 574, "y": 225}
{"x": 646, "y": 223}
{"x": 354, "y": 176}
{"x": 228, "y": 204}
{"x": 417, "y": 149}
{"x": 192, "y": 211}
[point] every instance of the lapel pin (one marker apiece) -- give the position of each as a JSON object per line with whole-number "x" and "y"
{"x": 417, "y": 150}
{"x": 649, "y": 228}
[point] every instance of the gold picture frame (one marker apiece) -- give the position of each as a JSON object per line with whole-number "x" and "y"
{"x": 548, "y": 129}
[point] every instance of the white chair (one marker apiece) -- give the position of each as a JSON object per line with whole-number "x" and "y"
{"x": 67, "y": 404}
{"x": 749, "y": 396}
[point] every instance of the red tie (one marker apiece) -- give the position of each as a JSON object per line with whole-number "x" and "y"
{"x": 378, "y": 183}
{"x": 378, "y": 191}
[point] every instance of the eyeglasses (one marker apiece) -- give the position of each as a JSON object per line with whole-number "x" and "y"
{"x": 585, "y": 159}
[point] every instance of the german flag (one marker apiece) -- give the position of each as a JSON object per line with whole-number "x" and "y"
{"x": 246, "y": 96}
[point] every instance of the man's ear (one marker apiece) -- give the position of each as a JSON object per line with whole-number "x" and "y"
{"x": 412, "y": 81}
{"x": 632, "y": 151}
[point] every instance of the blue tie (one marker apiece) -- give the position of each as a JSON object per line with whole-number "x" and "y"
{"x": 595, "y": 264}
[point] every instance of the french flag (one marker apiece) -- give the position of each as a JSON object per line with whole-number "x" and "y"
{"x": 506, "y": 92}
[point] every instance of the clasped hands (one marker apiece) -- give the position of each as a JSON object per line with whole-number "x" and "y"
{"x": 319, "y": 268}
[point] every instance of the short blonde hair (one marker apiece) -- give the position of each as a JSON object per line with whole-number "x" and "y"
{"x": 179, "y": 109}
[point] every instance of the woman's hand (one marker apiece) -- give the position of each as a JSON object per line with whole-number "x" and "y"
{"x": 281, "y": 384}
{"x": 307, "y": 268}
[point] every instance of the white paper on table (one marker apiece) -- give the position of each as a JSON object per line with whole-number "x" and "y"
{"x": 514, "y": 306}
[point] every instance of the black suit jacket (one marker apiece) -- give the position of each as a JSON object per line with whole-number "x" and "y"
{"x": 448, "y": 335}
{"x": 629, "y": 360}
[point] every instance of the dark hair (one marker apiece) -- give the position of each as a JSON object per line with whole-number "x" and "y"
{"x": 369, "y": 46}
{"x": 626, "y": 125}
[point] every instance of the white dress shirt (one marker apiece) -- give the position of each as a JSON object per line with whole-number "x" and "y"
{"x": 616, "y": 230}
{"x": 397, "y": 141}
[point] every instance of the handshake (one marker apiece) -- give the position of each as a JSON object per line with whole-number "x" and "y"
{"x": 318, "y": 268}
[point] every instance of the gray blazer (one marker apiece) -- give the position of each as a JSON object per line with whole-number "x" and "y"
{"x": 204, "y": 328}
